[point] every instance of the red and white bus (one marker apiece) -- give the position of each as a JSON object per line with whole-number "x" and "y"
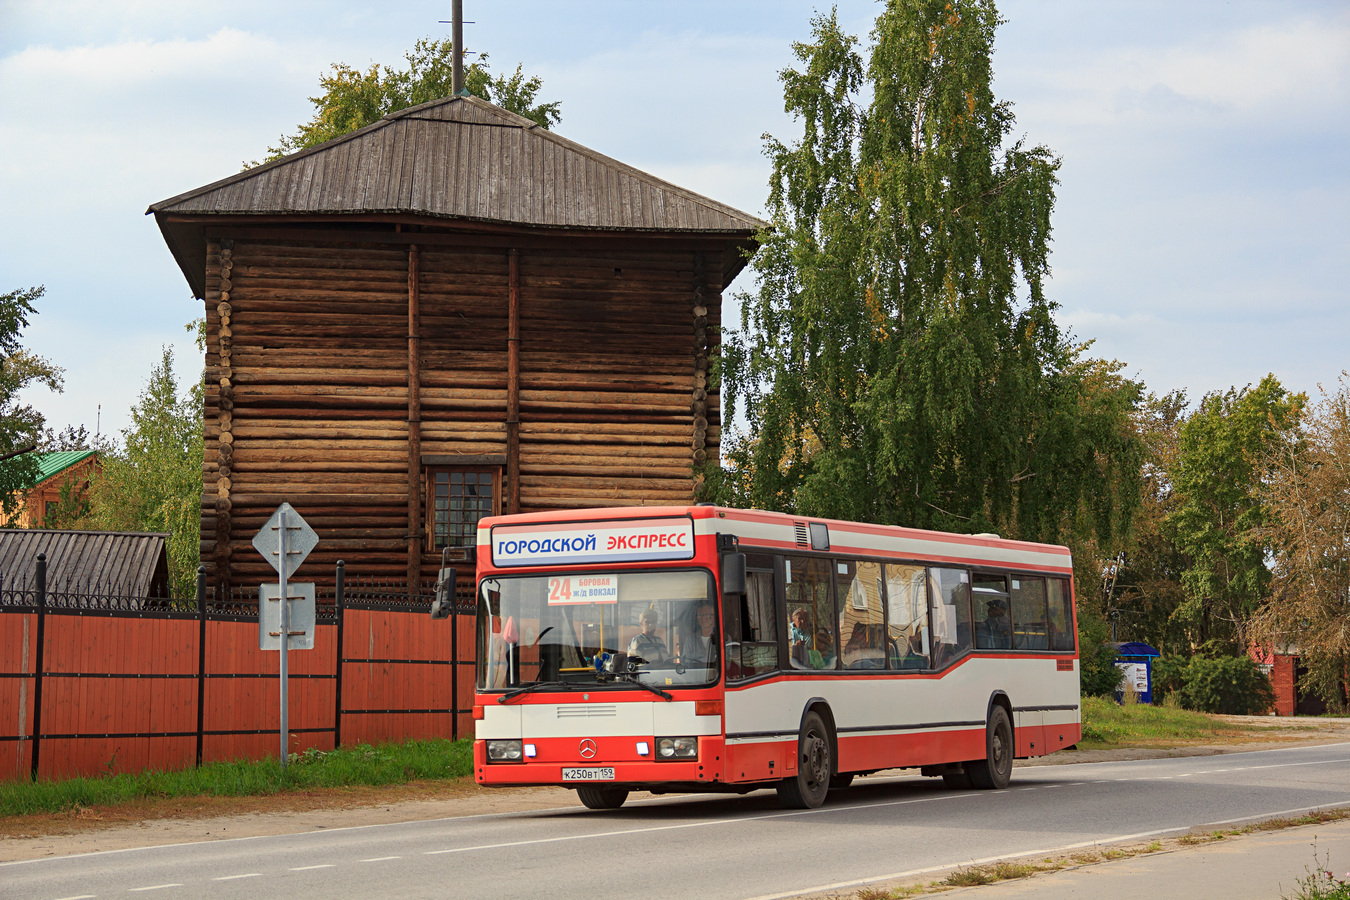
{"x": 703, "y": 648}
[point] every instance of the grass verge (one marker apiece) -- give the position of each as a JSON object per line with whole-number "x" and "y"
{"x": 1108, "y": 725}
{"x": 362, "y": 765}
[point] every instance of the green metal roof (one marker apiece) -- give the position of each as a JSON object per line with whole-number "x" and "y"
{"x": 50, "y": 464}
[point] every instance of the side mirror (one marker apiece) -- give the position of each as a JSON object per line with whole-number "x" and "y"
{"x": 733, "y": 573}
{"x": 444, "y": 603}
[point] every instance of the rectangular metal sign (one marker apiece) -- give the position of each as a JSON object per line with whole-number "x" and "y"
{"x": 598, "y": 542}
{"x": 302, "y": 615}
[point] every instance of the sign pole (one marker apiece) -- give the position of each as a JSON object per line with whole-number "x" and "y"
{"x": 285, "y": 635}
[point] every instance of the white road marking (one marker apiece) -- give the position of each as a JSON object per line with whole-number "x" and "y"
{"x": 233, "y": 877}
{"x": 704, "y": 824}
{"x": 381, "y": 858}
{"x": 972, "y": 862}
{"x": 822, "y": 888}
{"x": 79, "y": 897}
{"x": 307, "y": 868}
{"x": 156, "y": 887}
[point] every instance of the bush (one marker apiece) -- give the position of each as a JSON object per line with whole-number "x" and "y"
{"x": 1169, "y": 677}
{"x": 1231, "y": 685}
{"x": 1097, "y": 672}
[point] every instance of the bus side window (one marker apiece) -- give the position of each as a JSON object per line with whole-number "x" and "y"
{"x": 758, "y": 650}
{"x": 862, "y": 623}
{"x": 1028, "y": 613}
{"x": 1060, "y": 615}
{"x": 907, "y": 617}
{"x": 989, "y": 602}
{"x": 950, "y": 615}
{"x": 811, "y": 614}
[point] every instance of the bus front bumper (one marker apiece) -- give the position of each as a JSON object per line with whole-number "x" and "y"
{"x": 570, "y": 762}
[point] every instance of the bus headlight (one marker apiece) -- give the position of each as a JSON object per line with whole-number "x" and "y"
{"x": 504, "y": 751}
{"x": 668, "y": 748}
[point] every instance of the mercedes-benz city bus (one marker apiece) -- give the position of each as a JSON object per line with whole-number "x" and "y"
{"x": 702, "y": 648}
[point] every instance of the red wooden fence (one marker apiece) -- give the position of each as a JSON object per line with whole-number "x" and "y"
{"x": 92, "y": 685}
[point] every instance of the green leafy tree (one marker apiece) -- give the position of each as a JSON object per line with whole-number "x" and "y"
{"x": 352, "y": 99}
{"x": 1219, "y": 517}
{"x": 20, "y": 424}
{"x": 154, "y": 481}
{"x": 901, "y": 362}
{"x": 1149, "y": 587}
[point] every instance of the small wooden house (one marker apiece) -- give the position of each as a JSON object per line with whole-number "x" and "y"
{"x": 62, "y": 470}
{"x": 449, "y": 313}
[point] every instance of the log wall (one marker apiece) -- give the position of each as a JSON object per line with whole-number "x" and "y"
{"x": 312, "y": 397}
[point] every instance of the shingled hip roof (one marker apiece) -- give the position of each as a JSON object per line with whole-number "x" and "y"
{"x": 456, "y": 158}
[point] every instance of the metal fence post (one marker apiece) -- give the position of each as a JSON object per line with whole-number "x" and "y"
{"x": 339, "y": 602}
{"x": 454, "y": 663}
{"x": 40, "y": 576}
{"x": 201, "y": 660}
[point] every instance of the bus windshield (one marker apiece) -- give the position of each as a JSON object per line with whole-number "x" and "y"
{"x": 656, "y": 628}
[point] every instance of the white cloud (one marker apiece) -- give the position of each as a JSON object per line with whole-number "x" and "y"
{"x": 1294, "y": 68}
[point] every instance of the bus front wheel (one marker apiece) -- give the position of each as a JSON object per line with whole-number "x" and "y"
{"x": 807, "y": 789}
{"x": 597, "y": 797}
{"x": 995, "y": 770}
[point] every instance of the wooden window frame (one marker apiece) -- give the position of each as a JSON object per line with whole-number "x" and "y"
{"x": 429, "y": 474}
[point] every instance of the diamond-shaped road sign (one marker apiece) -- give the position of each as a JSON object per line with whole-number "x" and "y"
{"x": 300, "y": 539}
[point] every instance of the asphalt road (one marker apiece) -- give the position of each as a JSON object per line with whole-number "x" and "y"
{"x": 715, "y": 847}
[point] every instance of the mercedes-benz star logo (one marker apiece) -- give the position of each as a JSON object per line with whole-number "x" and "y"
{"x": 588, "y": 749}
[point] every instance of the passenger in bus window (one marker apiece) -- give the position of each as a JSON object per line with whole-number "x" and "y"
{"x": 647, "y": 644}
{"x": 798, "y": 630}
{"x": 699, "y": 650}
{"x": 993, "y": 632}
{"x": 821, "y": 656}
{"x": 915, "y": 657}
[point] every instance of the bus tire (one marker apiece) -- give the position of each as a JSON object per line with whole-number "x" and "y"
{"x": 807, "y": 789}
{"x": 594, "y": 796}
{"x": 995, "y": 770}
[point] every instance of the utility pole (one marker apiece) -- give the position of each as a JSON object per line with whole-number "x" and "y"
{"x": 457, "y": 35}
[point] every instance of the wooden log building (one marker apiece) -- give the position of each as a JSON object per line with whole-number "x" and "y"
{"x": 449, "y": 313}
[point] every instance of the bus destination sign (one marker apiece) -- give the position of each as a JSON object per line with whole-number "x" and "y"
{"x": 638, "y": 540}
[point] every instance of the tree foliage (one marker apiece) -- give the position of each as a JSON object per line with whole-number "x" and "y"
{"x": 1219, "y": 517}
{"x": 1149, "y": 585}
{"x": 900, "y": 362}
{"x": 154, "y": 481}
{"x": 20, "y": 424}
{"x": 352, "y": 99}
{"x": 1306, "y": 492}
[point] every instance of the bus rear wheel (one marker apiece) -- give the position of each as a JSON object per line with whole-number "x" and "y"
{"x": 995, "y": 770}
{"x": 596, "y": 797}
{"x": 807, "y": 789}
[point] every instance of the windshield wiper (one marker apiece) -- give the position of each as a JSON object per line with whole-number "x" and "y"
{"x": 536, "y": 686}
{"x": 633, "y": 677}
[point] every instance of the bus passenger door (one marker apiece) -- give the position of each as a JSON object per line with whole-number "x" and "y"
{"x": 752, "y": 652}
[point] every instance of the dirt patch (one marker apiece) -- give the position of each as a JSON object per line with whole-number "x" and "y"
{"x": 169, "y": 821}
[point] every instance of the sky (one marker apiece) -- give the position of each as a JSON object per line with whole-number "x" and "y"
{"x": 1201, "y": 232}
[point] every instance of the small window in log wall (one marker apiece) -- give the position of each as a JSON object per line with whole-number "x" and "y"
{"x": 459, "y": 496}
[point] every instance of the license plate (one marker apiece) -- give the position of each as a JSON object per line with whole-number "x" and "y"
{"x": 600, "y": 774}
